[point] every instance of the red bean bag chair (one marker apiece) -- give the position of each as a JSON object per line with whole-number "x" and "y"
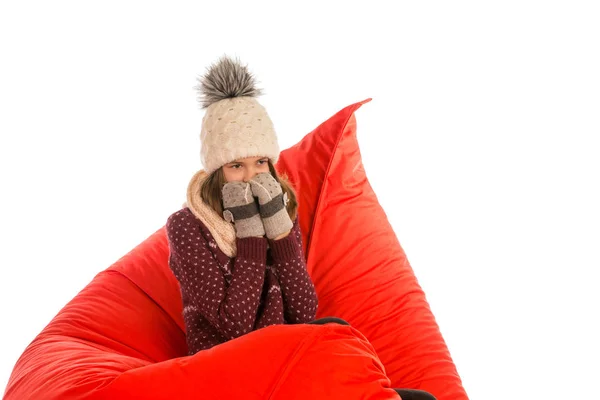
{"x": 122, "y": 337}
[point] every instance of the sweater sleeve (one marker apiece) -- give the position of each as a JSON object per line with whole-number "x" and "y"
{"x": 230, "y": 309}
{"x": 298, "y": 291}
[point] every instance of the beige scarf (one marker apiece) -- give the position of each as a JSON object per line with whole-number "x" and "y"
{"x": 222, "y": 231}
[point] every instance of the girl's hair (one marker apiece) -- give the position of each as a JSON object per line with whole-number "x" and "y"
{"x": 210, "y": 191}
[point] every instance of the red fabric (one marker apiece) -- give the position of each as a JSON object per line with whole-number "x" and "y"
{"x": 359, "y": 269}
{"x": 122, "y": 336}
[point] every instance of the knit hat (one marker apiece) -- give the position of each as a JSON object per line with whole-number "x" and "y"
{"x": 235, "y": 125}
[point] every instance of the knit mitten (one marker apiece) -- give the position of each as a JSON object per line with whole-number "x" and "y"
{"x": 241, "y": 209}
{"x": 272, "y": 202}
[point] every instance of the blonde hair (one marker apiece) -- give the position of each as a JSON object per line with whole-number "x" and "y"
{"x": 210, "y": 191}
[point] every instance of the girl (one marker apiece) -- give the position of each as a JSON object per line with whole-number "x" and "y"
{"x": 238, "y": 260}
{"x": 236, "y": 249}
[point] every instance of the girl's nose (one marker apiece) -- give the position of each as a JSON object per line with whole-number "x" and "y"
{"x": 248, "y": 175}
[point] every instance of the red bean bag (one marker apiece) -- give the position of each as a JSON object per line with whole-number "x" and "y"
{"x": 122, "y": 336}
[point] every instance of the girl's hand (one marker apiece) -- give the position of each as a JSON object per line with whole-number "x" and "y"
{"x": 241, "y": 209}
{"x": 272, "y": 202}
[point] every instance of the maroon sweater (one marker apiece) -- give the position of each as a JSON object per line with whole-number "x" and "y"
{"x": 224, "y": 298}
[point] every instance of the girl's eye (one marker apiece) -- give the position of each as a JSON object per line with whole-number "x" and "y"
{"x": 236, "y": 166}
{"x": 261, "y": 162}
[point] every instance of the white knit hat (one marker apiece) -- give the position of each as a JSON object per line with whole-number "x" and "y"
{"x": 235, "y": 125}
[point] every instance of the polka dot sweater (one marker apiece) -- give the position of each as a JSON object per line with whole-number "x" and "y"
{"x": 224, "y": 298}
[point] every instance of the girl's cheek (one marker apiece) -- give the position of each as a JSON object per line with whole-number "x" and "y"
{"x": 232, "y": 175}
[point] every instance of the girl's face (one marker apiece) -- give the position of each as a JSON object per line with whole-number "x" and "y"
{"x": 244, "y": 169}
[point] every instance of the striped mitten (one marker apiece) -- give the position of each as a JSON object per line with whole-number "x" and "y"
{"x": 271, "y": 200}
{"x": 241, "y": 209}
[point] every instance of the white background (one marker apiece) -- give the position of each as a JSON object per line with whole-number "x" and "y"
{"x": 481, "y": 144}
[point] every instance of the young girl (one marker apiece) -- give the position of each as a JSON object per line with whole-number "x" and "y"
{"x": 236, "y": 249}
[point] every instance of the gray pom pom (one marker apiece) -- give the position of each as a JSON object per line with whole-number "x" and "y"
{"x": 225, "y": 79}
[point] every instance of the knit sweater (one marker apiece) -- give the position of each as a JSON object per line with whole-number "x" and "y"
{"x": 266, "y": 283}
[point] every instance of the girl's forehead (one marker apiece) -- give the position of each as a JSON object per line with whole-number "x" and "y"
{"x": 247, "y": 159}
